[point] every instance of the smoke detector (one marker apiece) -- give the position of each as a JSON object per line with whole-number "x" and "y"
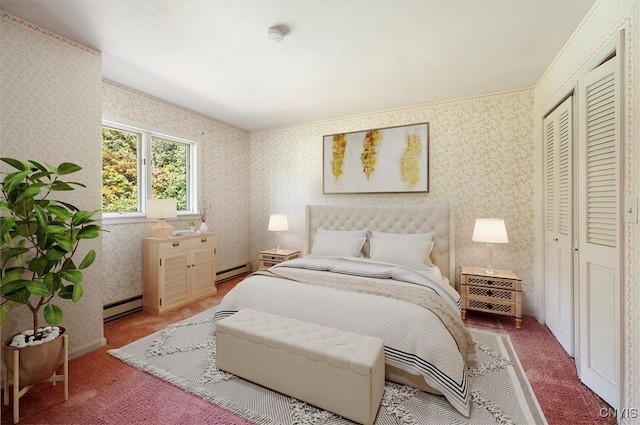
{"x": 275, "y": 34}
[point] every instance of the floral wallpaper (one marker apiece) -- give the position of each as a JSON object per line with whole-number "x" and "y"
{"x": 481, "y": 161}
{"x": 50, "y": 111}
{"x": 224, "y": 178}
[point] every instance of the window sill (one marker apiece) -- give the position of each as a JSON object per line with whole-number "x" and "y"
{"x": 134, "y": 219}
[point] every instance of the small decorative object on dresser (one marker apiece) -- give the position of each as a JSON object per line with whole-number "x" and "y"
{"x": 177, "y": 270}
{"x": 271, "y": 257}
{"x": 497, "y": 293}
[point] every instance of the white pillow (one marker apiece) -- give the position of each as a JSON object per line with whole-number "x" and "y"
{"x": 414, "y": 254}
{"x": 329, "y": 245}
{"x": 344, "y": 233}
{"x": 403, "y": 236}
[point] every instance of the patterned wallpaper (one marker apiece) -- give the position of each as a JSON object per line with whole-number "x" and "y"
{"x": 481, "y": 159}
{"x": 599, "y": 27}
{"x": 50, "y": 111}
{"x": 224, "y": 177}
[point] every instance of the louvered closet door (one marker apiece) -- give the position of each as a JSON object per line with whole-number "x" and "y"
{"x": 599, "y": 216}
{"x": 558, "y": 140}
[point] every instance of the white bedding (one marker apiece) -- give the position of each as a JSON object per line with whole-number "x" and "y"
{"x": 413, "y": 313}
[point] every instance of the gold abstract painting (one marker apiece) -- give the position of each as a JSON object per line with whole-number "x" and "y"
{"x": 383, "y": 160}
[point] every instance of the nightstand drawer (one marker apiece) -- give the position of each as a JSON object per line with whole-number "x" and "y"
{"x": 494, "y": 282}
{"x": 490, "y": 294}
{"x": 491, "y": 307}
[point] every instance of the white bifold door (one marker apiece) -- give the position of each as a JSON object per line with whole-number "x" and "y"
{"x": 559, "y": 213}
{"x": 599, "y": 230}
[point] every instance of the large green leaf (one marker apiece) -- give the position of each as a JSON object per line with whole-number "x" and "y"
{"x": 77, "y": 292}
{"x": 26, "y": 228}
{"x": 19, "y": 296}
{"x": 29, "y": 193}
{"x": 55, "y": 253}
{"x": 66, "y": 292}
{"x": 12, "y": 181}
{"x": 16, "y": 164}
{"x": 14, "y": 285}
{"x": 68, "y": 168}
{"x": 4, "y": 205}
{"x": 11, "y": 274}
{"x": 38, "y": 265}
{"x": 53, "y": 229}
{"x": 41, "y": 215}
{"x": 52, "y": 314}
{"x": 63, "y": 242}
{"x": 39, "y": 166}
{"x": 59, "y": 211}
{"x": 9, "y": 253}
{"x": 6, "y": 225}
{"x": 89, "y": 232}
{"x": 39, "y": 288}
{"x": 88, "y": 260}
{"x": 71, "y": 275}
{"x": 58, "y": 185}
{"x": 82, "y": 217}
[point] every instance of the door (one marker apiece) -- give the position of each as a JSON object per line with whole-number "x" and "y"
{"x": 558, "y": 171}
{"x": 600, "y": 221}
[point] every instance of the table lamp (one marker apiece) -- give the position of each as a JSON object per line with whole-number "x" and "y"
{"x": 490, "y": 231}
{"x": 161, "y": 209}
{"x": 278, "y": 223}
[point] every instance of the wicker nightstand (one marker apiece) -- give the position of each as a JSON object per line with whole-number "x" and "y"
{"x": 272, "y": 257}
{"x": 497, "y": 293}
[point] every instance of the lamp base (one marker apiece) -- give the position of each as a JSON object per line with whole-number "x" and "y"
{"x": 162, "y": 229}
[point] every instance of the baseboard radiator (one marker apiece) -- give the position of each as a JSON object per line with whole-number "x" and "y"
{"x": 131, "y": 305}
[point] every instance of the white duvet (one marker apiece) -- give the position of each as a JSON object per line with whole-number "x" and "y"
{"x": 418, "y": 318}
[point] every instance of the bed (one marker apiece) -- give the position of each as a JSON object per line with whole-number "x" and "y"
{"x": 385, "y": 271}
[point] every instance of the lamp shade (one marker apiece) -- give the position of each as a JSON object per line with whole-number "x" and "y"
{"x": 490, "y": 230}
{"x": 161, "y": 208}
{"x": 278, "y": 223}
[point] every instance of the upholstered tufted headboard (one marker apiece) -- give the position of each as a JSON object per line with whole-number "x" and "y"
{"x": 395, "y": 219}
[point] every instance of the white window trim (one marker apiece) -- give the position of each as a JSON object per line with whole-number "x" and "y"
{"x": 193, "y": 168}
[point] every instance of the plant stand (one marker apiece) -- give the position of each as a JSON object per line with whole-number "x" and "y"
{"x": 15, "y": 380}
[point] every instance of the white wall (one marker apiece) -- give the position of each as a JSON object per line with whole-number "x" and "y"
{"x": 50, "y": 112}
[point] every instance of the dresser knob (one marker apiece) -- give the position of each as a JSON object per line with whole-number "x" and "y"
{"x": 489, "y": 293}
{"x": 489, "y": 306}
{"x": 489, "y": 282}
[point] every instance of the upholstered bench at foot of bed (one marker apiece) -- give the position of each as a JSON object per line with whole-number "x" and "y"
{"x": 342, "y": 372}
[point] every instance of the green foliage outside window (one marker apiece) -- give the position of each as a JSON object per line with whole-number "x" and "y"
{"x": 119, "y": 170}
{"x": 169, "y": 170}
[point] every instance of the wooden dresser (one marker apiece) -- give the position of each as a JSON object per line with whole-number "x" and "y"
{"x": 497, "y": 293}
{"x": 177, "y": 270}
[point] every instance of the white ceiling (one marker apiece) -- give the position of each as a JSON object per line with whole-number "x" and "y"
{"x": 337, "y": 59}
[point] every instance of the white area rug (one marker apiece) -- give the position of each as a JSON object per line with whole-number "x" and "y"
{"x": 184, "y": 354}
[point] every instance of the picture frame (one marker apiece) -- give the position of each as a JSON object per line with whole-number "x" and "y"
{"x": 380, "y": 160}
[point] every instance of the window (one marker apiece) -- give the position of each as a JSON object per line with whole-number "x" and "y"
{"x": 139, "y": 164}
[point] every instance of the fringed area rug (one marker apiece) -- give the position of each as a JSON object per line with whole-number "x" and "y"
{"x": 184, "y": 354}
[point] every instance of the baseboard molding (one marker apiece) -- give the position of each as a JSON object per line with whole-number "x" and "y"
{"x": 122, "y": 308}
{"x": 223, "y": 275}
{"x": 131, "y": 305}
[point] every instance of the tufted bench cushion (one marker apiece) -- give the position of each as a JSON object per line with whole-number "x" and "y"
{"x": 342, "y": 372}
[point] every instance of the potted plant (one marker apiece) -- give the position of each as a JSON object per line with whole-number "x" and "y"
{"x": 192, "y": 225}
{"x": 40, "y": 238}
